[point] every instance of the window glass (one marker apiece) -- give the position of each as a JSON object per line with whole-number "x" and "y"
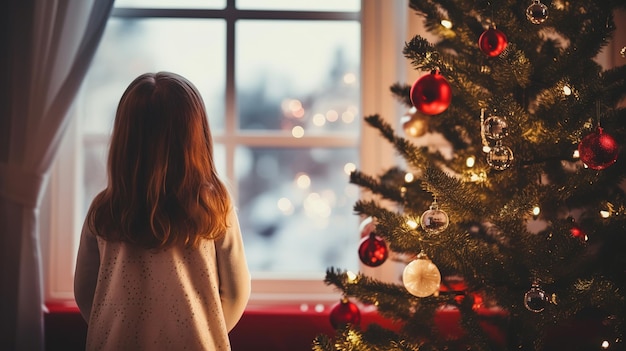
{"x": 194, "y": 48}
{"x": 303, "y": 5}
{"x": 290, "y": 143}
{"x": 298, "y": 74}
{"x": 202, "y": 4}
{"x": 95, "y": 172}
{"x": 295, "y": 208}
{"x": 131, "y": 47}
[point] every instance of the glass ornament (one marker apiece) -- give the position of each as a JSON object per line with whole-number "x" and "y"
{"x": 492, "y": 42}
{"x": 414, "y": 123}
{"x": 373, "y": 250}
{"x": 496, "y": 127}
{"x": 598, "y": 150}
{"x": 500, "y": 157}
{"x": 535, "y": 299}
{"x": 345, "y": 313}
{"x": 421, "y": 277}
{"x": 434, "y": 220}
{"x": 431, "y": 94}
{"x": 537, "y": 13}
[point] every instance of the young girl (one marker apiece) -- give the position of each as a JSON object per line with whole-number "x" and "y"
{"x": 161, "y": 262}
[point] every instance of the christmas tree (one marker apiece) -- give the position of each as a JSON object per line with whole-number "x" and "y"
{"x": 521, "y": 228}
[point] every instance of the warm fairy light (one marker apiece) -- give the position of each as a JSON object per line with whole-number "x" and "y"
{"x": 351, "y": 276}
{"x": 536, "y": 211}
{"x": 347, "y": 117}
{"x": 576, "y": 154}
{"x": 567, "y": 90}
{"x": 446, "y": 23}
{"x": 298, "y": 113}
{"x": 297, "y": 132}
{"x": 605, "y": 214}
{"x": 319, "y": 307}
{"x": 319, "y": 119}
{"x": 486, "y": 149}
{"x": 409, "y": 177}
{"x": 332, "y": 116}
{"x": 349, "y": 78}
{"x": 349, "y": 168}
{"x": 470, "y": 162}
{"x": 315, "y": 206}
{"x": 285, "y": 206}
{"x": 411, "y": 223}
{"x": 477, "y": 177}
{"x": 295, "y": 105}
{"x": 353, "y": 109}
{"x": 303, "y": 181}
{"x": 293, "y": 108}
{"x": 605, "y": 344}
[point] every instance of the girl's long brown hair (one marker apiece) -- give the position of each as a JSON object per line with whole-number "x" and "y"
{"x": 162, "y": 188}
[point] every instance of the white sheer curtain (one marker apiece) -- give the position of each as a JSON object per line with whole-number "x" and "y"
{"x": 47, "y": 47}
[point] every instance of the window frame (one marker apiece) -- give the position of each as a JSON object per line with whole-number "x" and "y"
{"x": 381, "y": 65}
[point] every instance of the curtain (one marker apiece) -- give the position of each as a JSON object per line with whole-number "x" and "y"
{"x": 47, "y": 47}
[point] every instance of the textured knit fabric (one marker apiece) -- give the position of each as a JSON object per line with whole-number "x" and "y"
{"x": 167, "y": 299}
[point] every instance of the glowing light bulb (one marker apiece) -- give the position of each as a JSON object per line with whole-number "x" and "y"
{"x": 446, "y": 23}
{"x": 605, "y": 344}
{"x": 351, "y": 276}
{"x": 303, "y": 181}
{"x": 319, "y": 119}
{"x": 536, "y": 211}
{"x": 567, "y": 90}
{"x": 332, "y": 116}
{"x": 411, "y": 223}
{"x": 349, "y": 78}
{"x": 297, "y": 132}
{"x": 409, "y": 177}
{"x": 349, "y": 168}
{"x": 605, "y": 214}
{"x": 470, "y": 162}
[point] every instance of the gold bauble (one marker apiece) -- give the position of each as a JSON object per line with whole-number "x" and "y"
{"x": 414, "y": 123}
{"x": 421, "y": 277}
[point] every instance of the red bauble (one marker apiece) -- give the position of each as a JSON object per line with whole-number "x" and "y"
{"x": 373, "y": 251}
{"x": 344, "y": 313}
{"x": 492, "y": 42}
{"x": 431, "y": 94}
{"x": 577, "y": 232}
{"x": 598, "y": 150}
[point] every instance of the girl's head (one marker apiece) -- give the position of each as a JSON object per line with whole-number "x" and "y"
{"x": 163, "y": 187}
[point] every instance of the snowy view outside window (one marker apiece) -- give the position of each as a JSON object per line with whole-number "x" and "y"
{"x": 286, "y": 132}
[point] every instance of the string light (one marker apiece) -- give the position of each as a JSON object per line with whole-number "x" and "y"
{"x": 536, "y": 211}
{"x": 470, "y": 161}
{"x": 351, "y": 277}
{"x": 567, "y": 90}
{"x": 605, "y": 344}
{"x": 446, "y": 23}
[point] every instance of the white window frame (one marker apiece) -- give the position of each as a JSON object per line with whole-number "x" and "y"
{"x": 384, "y": 27}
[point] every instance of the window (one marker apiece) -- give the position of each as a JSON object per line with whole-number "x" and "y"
{"x": 285, "y": 84}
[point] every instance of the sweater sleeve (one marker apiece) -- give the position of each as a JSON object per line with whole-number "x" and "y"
{"x": 234, "y": 277}
{"x": 86, "y": 272}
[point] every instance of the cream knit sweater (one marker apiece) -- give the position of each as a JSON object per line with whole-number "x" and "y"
{"x": 168, "y": 299}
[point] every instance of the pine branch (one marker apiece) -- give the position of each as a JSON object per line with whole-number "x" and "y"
{"x": 413, "y": 155}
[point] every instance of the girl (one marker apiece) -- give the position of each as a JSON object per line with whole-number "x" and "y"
{"x": 161, "y": 262}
